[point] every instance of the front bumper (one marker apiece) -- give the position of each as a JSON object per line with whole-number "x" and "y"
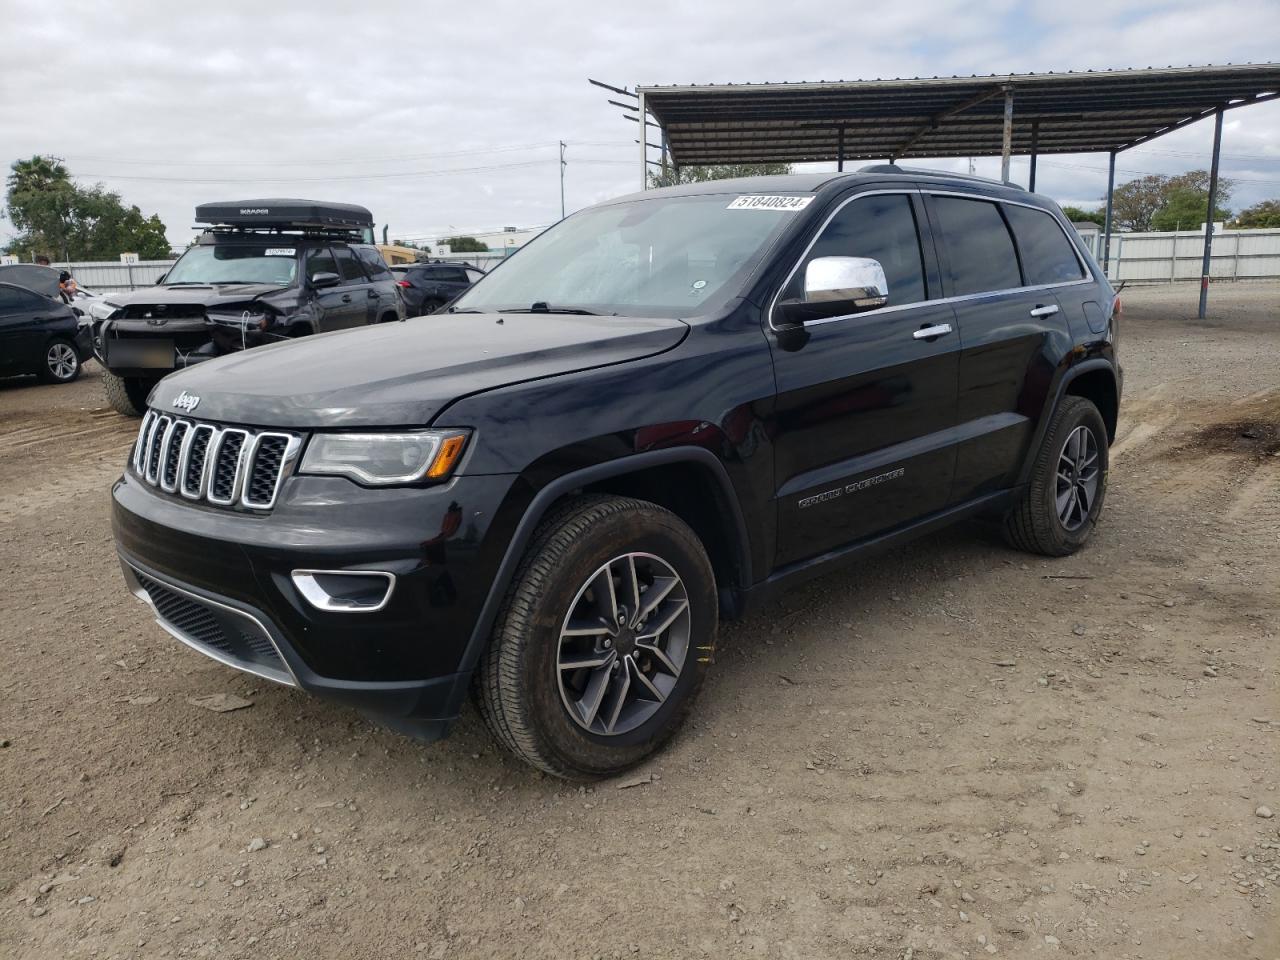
{"x": 220, "y": 580}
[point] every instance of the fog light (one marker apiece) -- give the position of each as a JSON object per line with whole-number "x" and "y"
{"x": 345, "y": 591}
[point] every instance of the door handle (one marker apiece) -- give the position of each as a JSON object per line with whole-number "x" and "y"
{"x": 346, "y": 298}
{"x": 373, "y": 294}
{"x": 1041, "y": 310}
{"x": 928, "y": 333}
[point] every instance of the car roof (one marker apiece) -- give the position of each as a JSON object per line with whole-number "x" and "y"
{"x": 827, "y": 181}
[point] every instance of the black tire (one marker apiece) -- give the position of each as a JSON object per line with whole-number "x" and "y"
{"x": 517, "y": 684}
{"x": 1034, "y": 524}
{"x": 429, "y": 306}
{"x": 127, "y": 395}
{"x": 60, "y": 362}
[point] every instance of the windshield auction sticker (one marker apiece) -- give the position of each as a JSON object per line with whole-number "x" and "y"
{"x": 762, "y": 202}
{"x": 290, "y": 251}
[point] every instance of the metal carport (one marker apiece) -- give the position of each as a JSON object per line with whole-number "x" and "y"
{"x": 1103, "y": 111}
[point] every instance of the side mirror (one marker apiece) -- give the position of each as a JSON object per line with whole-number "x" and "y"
{"x": 321, "y": 280}
{"x": 838, "y": 286}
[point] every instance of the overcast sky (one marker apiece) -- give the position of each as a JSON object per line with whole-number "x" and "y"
{"x": 445, "y": 118}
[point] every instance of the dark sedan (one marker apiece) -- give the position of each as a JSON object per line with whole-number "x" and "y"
{"x": 426, "y": 287}
{"x": 39, "y": 335}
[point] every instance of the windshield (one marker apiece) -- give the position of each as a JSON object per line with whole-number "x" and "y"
{"x": 669, "y": 256}
{"x": 236, "y": 263}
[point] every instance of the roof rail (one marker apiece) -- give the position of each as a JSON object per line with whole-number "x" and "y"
{"x": 924, "y": 172}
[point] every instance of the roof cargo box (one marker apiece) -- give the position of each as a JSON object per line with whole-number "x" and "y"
{"x": 284, "y": 213}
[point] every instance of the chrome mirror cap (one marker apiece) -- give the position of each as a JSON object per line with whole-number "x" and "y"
{"x": 856, "y": 280}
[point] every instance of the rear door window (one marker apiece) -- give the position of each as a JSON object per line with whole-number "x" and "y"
{"x": 979, "y": 249}
{"x": 373, "y": 263}
{"x": 881, "y": 227}
{"x": 348, "y": 266}
{"x": 1047, "y": 254}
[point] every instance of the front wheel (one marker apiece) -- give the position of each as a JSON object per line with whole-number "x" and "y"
{"x": 61, "y": 362}
{"x": 127, "y": 395}
{"x": 603, "y": 640}
{"x": 1060, "y": 507}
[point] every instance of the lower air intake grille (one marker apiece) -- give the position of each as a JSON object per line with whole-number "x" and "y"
{"x": 225, "y": 634}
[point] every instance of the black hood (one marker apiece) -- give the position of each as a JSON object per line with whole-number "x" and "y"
{"x": 405, "y": 373}
{"x": 205, "y": 295}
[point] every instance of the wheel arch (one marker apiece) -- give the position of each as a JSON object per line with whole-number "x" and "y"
{"x": 722, "y": 530}
{"x": 1095, "y": 380}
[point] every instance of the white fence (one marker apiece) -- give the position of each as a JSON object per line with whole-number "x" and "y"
{"x": 109, "y": 276}
{"x": 1136, "y": 257}
{"x": 1161, "y": 257}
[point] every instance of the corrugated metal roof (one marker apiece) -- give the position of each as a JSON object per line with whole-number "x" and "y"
{"x": 1072, "y": 112}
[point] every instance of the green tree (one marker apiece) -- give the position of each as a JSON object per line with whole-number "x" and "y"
{"x": 57, "y": 217}
{"x": 1136, "y": 203}
{"x": 1077, "y": 215}
{"x": 1185, "y": 208}
{"x": 1264, "y": 214}
{"x": 721, "y": 171}
{"x": 465, "y": 245}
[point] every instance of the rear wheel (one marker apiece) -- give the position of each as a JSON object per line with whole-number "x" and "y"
{"x": 430, "y": 306}
{"x": 61, "y": 362}
{"x": 127, "y": 395}
{"x": 1063, "y": 501}
{"x": 603, "y": 640}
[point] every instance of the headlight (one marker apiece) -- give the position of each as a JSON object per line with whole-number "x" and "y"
{"x": 99, "y": 309}
{"x": 379, "y": 459}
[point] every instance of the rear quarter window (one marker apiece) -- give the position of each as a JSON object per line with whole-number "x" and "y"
{"x": 1047, "y": 254}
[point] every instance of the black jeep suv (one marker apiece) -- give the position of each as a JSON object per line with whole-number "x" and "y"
{"x": 264, "y": 271}
{"x": 660, "y": 410}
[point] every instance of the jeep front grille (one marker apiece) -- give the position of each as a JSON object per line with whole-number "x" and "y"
{"x": 225, "y": 466}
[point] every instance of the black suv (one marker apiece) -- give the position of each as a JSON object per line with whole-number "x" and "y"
{"x": 426, "y": 287}
{"x": 264, "y": 271}
{"x": 659, "y": 411}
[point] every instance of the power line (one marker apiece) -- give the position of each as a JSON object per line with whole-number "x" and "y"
{"x": 345, "y": 177}
{"x": 311, "y": 161}
{"x": 1084, "y": 166}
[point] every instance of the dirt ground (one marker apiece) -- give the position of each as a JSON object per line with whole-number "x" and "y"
{"x": 954, "y": 750}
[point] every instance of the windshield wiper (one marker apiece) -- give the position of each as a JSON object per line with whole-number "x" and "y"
{"x": 188, "y": 283}
{"x": 541, "y": 306}
{"x": 464, "y": 310}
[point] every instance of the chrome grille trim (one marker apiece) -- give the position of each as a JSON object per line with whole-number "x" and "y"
{"x": 219, "y": 461}
{"x": 291, "y": 446}
{"x": 155, "y": 444}
{"x": 177, "y": 433}
{"x": 225, "y": 466}
{"x": 140, "y": 445}
{"x": 201, "y": 471}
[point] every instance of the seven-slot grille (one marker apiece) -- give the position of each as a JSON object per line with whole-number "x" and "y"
{"x": 226, "y": 466}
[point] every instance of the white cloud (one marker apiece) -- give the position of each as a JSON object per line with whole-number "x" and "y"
{"x": 273, "y": 96}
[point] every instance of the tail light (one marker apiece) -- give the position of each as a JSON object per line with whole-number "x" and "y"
{"x": 403, "y": 283}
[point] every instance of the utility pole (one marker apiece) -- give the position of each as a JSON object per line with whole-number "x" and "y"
{"x": 562, "y": 166}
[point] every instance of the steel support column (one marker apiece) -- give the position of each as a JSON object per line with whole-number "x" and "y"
{"x": 1106, "y": 227}
{"x": 1035, "y": 146}
{"x": 840, "y": 150}
{"x": 1006, "y": 144}
{"x": 644, "y": 136}
{"x": 1208, "y": 225}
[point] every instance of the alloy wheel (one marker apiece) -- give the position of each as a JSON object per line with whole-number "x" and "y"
{"x": 1078, "y": 478}
{"x": 623, "y": 644}
{"x": 61, "y": 360}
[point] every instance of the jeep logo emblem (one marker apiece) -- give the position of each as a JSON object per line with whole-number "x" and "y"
{"x": 186, "y": 401}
